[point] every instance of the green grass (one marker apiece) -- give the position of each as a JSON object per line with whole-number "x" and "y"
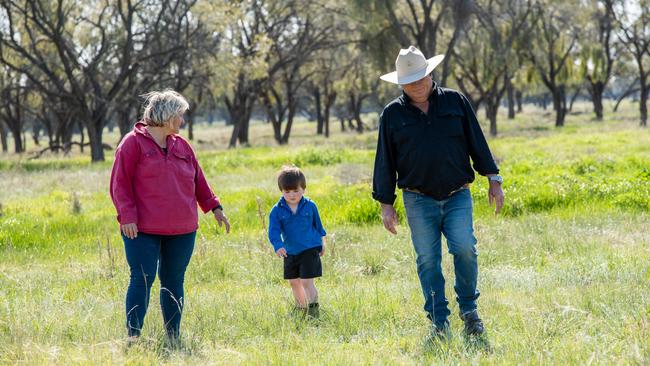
{"x": 564, "y": 272}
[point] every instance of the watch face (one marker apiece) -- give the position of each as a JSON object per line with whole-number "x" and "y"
{"x": 496, "y": 178}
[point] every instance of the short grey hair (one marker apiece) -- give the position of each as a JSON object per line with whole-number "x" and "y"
{"x": 160, "y": 107}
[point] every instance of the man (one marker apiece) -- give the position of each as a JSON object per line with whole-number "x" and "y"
{"x": 426, "y": 139}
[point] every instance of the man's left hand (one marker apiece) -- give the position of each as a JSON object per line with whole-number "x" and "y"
{"x": 495, "y": 194}
{"x": 222, "y": 219}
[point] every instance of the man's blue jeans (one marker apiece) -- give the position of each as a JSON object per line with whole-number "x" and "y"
{"x": 428, "y": 219}
{"x": 169, "y": 255}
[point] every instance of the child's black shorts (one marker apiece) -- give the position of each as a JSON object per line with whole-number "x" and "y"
{"x": 305, "y": 264}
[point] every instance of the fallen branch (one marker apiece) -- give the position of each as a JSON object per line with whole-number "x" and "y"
{"x": 65, "y": 148}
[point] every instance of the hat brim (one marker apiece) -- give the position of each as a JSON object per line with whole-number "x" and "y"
{"x": 392, "y": 77}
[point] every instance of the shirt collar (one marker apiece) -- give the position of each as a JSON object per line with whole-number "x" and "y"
{"x": 284, "y": 203}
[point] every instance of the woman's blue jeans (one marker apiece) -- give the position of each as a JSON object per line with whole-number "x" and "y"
{"x": 428, "y": 219}
{"x": 169, "y": 255}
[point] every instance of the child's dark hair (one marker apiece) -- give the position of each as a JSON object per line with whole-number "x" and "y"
{"x": 291, "y": 177}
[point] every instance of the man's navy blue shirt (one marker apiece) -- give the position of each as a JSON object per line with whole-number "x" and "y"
{"x": 295, "y": 232}
{"x": 429, "y": 152}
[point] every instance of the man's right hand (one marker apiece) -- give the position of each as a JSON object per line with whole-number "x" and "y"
{"x": 130, "y": 230}
{"x": 281, "y": 252}
{"x": 389, "y": 217}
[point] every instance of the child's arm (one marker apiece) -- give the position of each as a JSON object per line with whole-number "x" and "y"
{"x": 319, "y": 227}
{"x": 275, "y": 233}
{"x": 317, "y": 223}
{"x": 322, "y": 250}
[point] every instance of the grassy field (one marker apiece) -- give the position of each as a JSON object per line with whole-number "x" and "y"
{"x": 564, "y": 272}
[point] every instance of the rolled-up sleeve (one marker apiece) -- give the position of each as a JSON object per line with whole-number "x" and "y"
{"x": 121, "y": 184}
{"x": 482, "y": 159}
{"x": 384, "y": 175}
{"x": 206, "y": 199}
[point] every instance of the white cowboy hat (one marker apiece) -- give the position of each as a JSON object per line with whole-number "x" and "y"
{"x": 411, "y": 66}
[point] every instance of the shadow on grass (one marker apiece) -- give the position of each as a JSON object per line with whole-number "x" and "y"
{"x": 162, "y": 347}
{"x": 478, "y": 343}
{"x": 453, "y": 342}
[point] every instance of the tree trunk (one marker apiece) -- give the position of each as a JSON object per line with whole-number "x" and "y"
{"x": 510, "y": 89}
{"x": 275, "y": 120}
{"x": 630, "y": 90}
{"x": 235, "y": 132}
{"x": 355, "y": 109}
{"x": 290, "y": 115}
{"x": 597, "y": 99}
{"x": 330, "y": 98}
{"x": 36, "y": 131}
{"x": 240, "y": 113}
{"x": 342, "y": 120}
{"x": 190, "y": 123}
{"x": 559, "y": 104}
{"x": 3, "y": 138}
{"x": 519, "y": 96}
{"x": 643, "y": 106}
{"x": 18, "y": 140}
{"x": 243, "y": 131}
{"x": 241, "y": 108}
{"x": 326, "y": 122}
{"x": 124, "y": 121}
{"x": 491, "y": 109}
{"x": 574, "y": 97}
{"x": 95, "y": 138}
{"x": 544, "y": 101}
{"x": 623, "y": 96}
{"x": 319, "y": 115}
{"x": 81, "y": 131}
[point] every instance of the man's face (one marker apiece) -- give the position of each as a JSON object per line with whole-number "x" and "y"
{"x": 419, "y": 90}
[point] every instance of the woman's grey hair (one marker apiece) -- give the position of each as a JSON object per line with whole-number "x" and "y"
{"x": 161, "y": 107}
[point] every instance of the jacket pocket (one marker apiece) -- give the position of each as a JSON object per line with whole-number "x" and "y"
{"x": 407, "y": 133}
{"x": 183, "y": 164}
{"x": 149, "y": 165}
{"x": 451, "y": 124}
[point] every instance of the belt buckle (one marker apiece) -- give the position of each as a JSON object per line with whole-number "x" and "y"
{"x": 457, "y": 190}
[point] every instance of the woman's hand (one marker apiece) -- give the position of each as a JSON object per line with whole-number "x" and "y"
{"x": 221, "y": 219}
{"x": 130, "y": 230}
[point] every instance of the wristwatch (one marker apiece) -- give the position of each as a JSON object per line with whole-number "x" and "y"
{"x": 496, "y": 178}
{"x": 218, "y": 207}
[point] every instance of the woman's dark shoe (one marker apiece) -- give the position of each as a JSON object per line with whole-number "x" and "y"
{"x": 473, "y": 324}
{"x": 440, "y": 331}
{"x": 132, "y": 340}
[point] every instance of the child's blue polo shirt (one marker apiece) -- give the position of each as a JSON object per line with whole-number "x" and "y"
{"x": 295, "y": 232}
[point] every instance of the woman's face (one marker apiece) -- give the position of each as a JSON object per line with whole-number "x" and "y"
{"x": 419, "y": 90}
{"x": 176, "y": 123}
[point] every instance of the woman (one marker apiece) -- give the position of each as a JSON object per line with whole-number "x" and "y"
{"x": 156, "y": 183}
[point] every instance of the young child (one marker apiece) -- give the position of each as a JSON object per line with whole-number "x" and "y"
{"x": 297, "y": 235}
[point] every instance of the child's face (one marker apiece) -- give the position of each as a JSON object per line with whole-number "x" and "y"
{"x": 293, "y": 196}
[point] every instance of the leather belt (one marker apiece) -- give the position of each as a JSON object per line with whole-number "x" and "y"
{"x": 464, "y": 186}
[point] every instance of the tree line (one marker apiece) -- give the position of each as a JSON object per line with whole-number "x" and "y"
{"x": 74, "y": 68}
